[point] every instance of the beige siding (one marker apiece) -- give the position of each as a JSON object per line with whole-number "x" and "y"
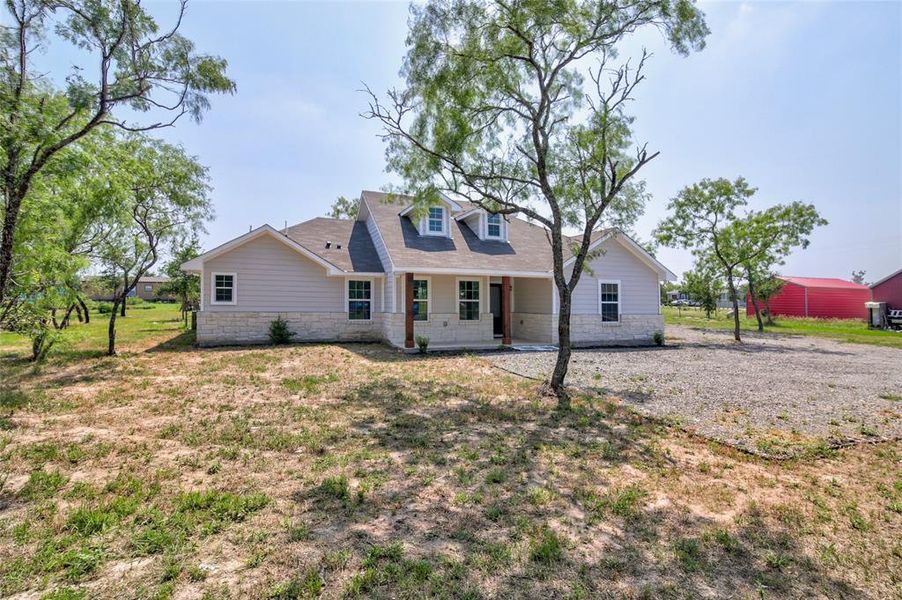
{"x": 379, "y": 244}
{"x": 274, "y": 278}
{"x": 638, "y": 283}
{"x": 532, "y": 295}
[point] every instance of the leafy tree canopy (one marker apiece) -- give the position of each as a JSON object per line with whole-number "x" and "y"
{"x": 130, "y": 62}
{"x": 705, "y": 218}
{"x": 343, "y": 208}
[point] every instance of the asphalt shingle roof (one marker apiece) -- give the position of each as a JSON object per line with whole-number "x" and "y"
{"x": 527, "y": 248}
{"x": 351, "y": 248}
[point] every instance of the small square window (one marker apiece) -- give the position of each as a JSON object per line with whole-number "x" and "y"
{"x": 223, "y": 288}
{"x": 148, "y": 288}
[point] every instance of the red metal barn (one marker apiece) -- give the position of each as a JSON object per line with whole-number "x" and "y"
{"x": 889, "y": 290}
{"x": 819, "y": 297}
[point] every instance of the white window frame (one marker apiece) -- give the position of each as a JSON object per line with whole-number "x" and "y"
{"x": 213, "y": 299}
{"x": 428, "y": 281}
{"x": 457, "y": 300}
{"x": 619, "y": 300}
{"x": 444, "y": 220}
{"x": 348, "y": 298}
{"x": 148, "y": 287}
{"x": 500, "y": 235}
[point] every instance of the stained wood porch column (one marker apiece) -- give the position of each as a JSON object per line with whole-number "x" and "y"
{"x": 408, "y": 310}
{"x": 506, "y": 310}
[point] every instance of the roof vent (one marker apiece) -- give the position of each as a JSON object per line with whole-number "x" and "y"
{"x": 328, "y": 245}
{"x": 338, "y": 246}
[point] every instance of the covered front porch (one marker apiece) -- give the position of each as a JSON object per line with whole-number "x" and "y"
{"x": 469, "y": 311}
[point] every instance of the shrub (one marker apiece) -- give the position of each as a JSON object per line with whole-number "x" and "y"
{"x": 279, "y": 332}
{"x": 422, "y": 343}
{"x": 659, "y": 338}
{"x": 104, "y": 308}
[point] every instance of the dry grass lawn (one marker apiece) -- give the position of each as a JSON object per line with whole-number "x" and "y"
{"x": 334, "y": 471}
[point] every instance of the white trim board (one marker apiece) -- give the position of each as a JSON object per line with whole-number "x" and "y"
{"x": 475, "y": 272}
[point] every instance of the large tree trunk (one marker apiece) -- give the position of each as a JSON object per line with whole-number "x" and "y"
{"x": 736, "y": 334}
{"x": 563, "y": 354}
{"x": 111, "y": 330}
{"x": 755, "y": 305}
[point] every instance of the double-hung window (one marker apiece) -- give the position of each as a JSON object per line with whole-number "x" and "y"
{"x": 436, "y": 220}
{"x": 493, "y": 226}
{"x": 360, "y": 298}
{"x": 224, "y": 288}
{"x": 420, "y": 299}
{"x": 468, "y": 300}
{"x": 609, "y": 301}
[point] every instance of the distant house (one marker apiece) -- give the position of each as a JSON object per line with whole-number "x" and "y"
{"x": 819, "y": 297}
{"x": 459, "y": 275}
{"x": 148, "y": 288}
{"x": 889, "y": 290}
{"x": 723, "y": 300}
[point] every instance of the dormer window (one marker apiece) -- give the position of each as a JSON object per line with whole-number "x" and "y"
{"x": 493, "y": 226}
{"x": 436, "y": 220}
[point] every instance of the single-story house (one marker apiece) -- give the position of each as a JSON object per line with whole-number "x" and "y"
{"x": 454, "y": 273}
{"x": 820, "y": 297}
{"x": 148, "y": 288}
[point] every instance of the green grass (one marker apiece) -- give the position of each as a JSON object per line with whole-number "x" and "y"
{"x": 844, "y": 330}
{"x": 309, "y": 384}
{"x": 80, "y": 340}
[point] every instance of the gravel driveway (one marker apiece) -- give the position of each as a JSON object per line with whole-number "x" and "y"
{"x": 774, "y": 395}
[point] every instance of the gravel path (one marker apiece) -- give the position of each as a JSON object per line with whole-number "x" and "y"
{"x": 775, "y": 395}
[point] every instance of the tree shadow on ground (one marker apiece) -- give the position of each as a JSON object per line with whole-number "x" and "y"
{"x": 512, "y": 498}
{"x": 183, "y": 342}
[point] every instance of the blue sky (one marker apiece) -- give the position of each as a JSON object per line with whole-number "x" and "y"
{"x": 801, "y": 98}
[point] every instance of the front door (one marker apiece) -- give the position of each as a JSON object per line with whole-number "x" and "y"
{"x": 495, "y": 305}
